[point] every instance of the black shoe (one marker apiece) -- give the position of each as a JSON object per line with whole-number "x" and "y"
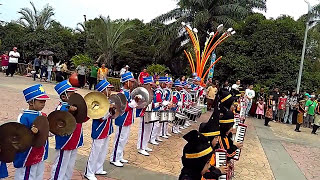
{"x": 297, "y": 130}
{"x": 314, "y": 133}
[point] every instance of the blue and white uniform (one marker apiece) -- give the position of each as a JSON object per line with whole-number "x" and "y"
{"x": 66, "y": 146}
{"x": 123, "y": 124}
{"x": 144, "y": 129}
{"x": 30, "y": 163}
{"x": 101, "y": 130}
{"x": 3, "y": 170}
{"x": 177, "y": 100}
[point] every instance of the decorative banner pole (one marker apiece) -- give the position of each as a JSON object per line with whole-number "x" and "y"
{"x": 213, "y": 58}
{"x": 197, "y": 66}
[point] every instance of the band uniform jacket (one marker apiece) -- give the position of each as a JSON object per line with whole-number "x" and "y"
{"x": 126, "y": 119}
{"x": 73, "y": 141}
{"x": 102, "y": 128}
{"x": 33, "y": 155}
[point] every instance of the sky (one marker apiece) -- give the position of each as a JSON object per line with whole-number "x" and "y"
{"x": 70, "y": 12}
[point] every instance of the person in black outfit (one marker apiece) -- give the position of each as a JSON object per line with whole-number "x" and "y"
{"x": 196, "y": 156}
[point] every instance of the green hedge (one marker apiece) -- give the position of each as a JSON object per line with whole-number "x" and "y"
{"x": 115, "y": 82}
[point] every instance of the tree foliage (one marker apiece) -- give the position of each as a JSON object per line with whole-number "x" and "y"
{"x": 35, "y": 19}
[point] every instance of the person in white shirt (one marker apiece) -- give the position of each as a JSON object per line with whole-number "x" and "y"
{"x": 250, "y": 94}
{"x": 124, "y": 70}
{"x": 13, "y": 61}
{"x": 236, "y": 86}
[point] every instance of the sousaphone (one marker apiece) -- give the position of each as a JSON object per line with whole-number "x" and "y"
{"x": 97, "y": 104}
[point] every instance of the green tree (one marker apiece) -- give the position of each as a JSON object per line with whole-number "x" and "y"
{"x": 81, "y": 58}
{"x": 157, "y": 69}
{"x": 34, "y": 19}
{"x": 110, "y": 38}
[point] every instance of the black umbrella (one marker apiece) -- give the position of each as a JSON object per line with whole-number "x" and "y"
{"x": 46, "y": 53}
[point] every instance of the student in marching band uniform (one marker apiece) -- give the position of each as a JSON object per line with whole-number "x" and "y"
{"x": 185, "y": 102}
{"x": 168, "y": 97}
{"x": 124, "y": 122}
{"x": 211, "y": 130}
{"x": 101, "y": 130}
{"x": 144, "y": 128}
{"x": 3, "y": 170}
{"x": 30, "y": 163}
{"x": 196, "y": 156}
{"x": 177, "y": 101}
{"x": 66, "y": 146}
{"x": 159, "y": 104}
{"x": 243, "y": 104}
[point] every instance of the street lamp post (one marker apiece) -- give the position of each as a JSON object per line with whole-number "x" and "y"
{"x": 304, "y": 48}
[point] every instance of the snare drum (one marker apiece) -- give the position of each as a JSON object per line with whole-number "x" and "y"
{"x": 163, "y": 116}
{"x": 147, "y": 117}
{"x": 171, "y": 116}
{"x": 154, "y": 116}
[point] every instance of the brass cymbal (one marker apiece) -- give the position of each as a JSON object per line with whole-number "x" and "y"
{"x": 61, "y": 123}
{"x": 7, "y": 153}
{"x": 144, "y": 93}
{"x": 81, "y": 113}
{"x": 97, "y": 104}
{"x": 116, "y": 102}
{"x": 42, "y": 124}
{"x": 123, "y": 101}
{"x": 15, "y": 136}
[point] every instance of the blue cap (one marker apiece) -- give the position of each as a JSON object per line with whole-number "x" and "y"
{"x": 177, "y": 83}
{"x": 184, "y": 83}
{"x": 63, "y": 87}
{"x": 102, "y": 85}
{"x": 148, "y": 80}
{"x": 126, "y": 77}
{"x": 163, "y": 79}
{"x": 35, "y": 92}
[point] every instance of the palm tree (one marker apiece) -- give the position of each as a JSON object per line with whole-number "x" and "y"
{"x": 110, "y": 38}
{"x": 34, "y": 19}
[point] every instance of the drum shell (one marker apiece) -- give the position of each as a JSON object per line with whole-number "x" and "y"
{"x": 164, "y": 116}
{"x": 171, "y": 116}
{"x": 155, "y": 116}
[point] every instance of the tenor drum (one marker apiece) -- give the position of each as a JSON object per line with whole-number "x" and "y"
{"x": 147, "y": 117}
{"x": 163, "y": 116}
{"x": 171, "y": 116}
{"x": 180, "y": 118}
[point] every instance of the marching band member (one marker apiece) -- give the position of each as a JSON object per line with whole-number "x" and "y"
{"x": 211, "y": 130}
{"x": 196, "y": 156}
{"x": 101, "y": 130}
{"x": 168, "y": 97}
{"x": 144, "y": 128}
{"x": 66, "y": 146}
{"x": 177, "y": 101}
{"x": 30, "y": 163}
{"x": 124, "y": 122}
{"x": 3, "y": 170}
{"x": 159, "y": 104}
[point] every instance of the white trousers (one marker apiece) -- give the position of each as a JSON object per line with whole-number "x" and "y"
{"x": 164, "y": 129}
{"x": 120, "y": 141}
{"x": 143, "y": 134}
{"x": 64, "y": 162}
{"x": 99, "y": 150}
{"x": 34, "y": 172}
{"x": 175, "y": 128}
{"x": 155, "y": 131}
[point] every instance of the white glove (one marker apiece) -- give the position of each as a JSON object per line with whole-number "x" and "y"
{"x": 179, "y": 103}
{"x": 106, "y": 116}
{"x": 133, "y": 104}
{"x": 165, "y": 103}
{"x": 156, "y": 105}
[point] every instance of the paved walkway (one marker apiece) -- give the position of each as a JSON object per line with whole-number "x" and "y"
{"x": 266, "y": 155}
